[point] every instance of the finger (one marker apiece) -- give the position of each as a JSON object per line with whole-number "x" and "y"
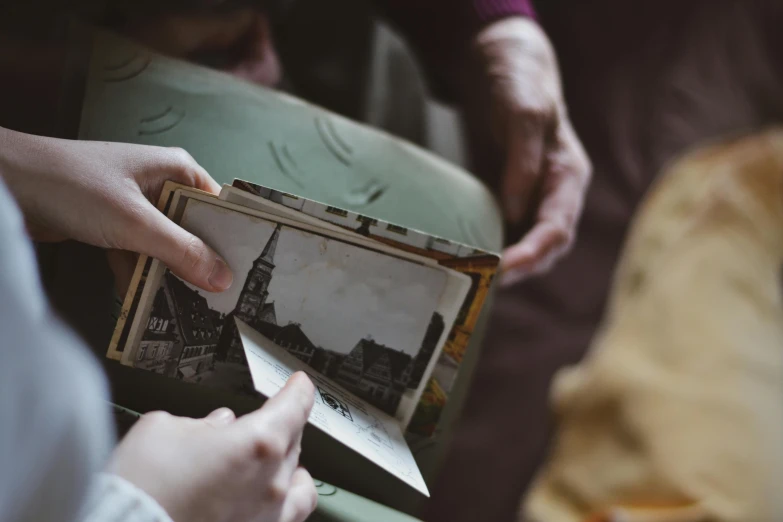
{"x": 517, "y": 266}
{"x": 220, "y": 417}
{"x": 183, "y": 253}
{"x": 182, "y": 168}
{"x": 567, "y": 176}
{"x": 523, "y": 258}
{"x": 171, "y": 164}
{"x": 291, "y": 461}
{"x": 286, "y": 412}
{"x": 302, "y": 498}
{"x": 524, "y": 159}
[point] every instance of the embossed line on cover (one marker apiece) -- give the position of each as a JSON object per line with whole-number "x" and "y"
{"x": 285, "y": 162}
{"x": 160, "y": 123}
{"x": 127, "y": 68}
{"x": 332, "y": 140}
{"x": 332, "y": 130}
{"x": 365, "y": 194}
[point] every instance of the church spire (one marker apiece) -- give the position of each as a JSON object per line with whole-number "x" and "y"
{"x": 268, "y": 254}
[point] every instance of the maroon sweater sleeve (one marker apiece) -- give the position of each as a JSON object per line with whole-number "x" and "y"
{"x": 440, "y": 31}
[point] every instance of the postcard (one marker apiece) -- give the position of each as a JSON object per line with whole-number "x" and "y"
{"x": 477, "y": 265}
{"x": 360, "y": 317}
{"x": 351, "y": 421}
{"x": 382, "y": 311}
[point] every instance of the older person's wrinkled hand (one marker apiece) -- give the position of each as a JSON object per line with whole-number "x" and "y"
{"x": 546, "y": 168}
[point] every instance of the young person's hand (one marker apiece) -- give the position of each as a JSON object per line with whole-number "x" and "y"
{"x": 547, "y": 168}
{"x": 223, "y": 469}
{"x": 102, "y": 193}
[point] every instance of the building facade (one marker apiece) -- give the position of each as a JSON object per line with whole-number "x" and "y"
{"x": 377, "y": 373}
{"x": 294, "y": 341}
{"x": 181, "y": 338}
{"x": 158, "y": 342}
{"x": 428, "y": 345}
{"x": 194, "y": 320}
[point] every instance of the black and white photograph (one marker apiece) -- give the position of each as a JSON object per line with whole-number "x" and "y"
{"x": 364, "y": 319}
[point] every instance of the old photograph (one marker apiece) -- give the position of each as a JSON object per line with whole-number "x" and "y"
{"x": 367, "y": 320}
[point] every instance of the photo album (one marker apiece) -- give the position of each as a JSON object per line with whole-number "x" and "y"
{"x": 378, "y": 315}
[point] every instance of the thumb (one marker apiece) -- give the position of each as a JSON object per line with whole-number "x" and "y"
{"x": 183, "y": 253}
{"x": 220, "y": 417}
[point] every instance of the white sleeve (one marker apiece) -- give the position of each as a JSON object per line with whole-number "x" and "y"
{"x": 55, "y": 424}
{"x": 114, "y": 499}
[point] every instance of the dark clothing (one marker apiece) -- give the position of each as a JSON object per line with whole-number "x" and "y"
{"x": 439, "y": 31}
{"x": 642, "y": 84}
{"x": 37, "y": 54}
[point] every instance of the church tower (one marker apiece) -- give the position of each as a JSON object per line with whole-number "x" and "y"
{"x": 250, "y": 305}
{"x": 255, "y": 291}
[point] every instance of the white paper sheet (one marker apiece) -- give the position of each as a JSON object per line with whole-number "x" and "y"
{"x": 354, "y": 423}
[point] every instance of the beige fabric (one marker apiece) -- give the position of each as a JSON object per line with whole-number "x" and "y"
{"x": 676, "y": 415}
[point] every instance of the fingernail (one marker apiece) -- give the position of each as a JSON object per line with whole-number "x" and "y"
{"x": 303, "y": 377}
{"x": 221, "y": 417}
{"x": 221, "y": 276}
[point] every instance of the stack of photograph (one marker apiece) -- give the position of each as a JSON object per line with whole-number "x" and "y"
{"x": 382, "y": 311}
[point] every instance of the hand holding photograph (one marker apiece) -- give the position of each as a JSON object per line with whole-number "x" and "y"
{"x": 379, "y": 312}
